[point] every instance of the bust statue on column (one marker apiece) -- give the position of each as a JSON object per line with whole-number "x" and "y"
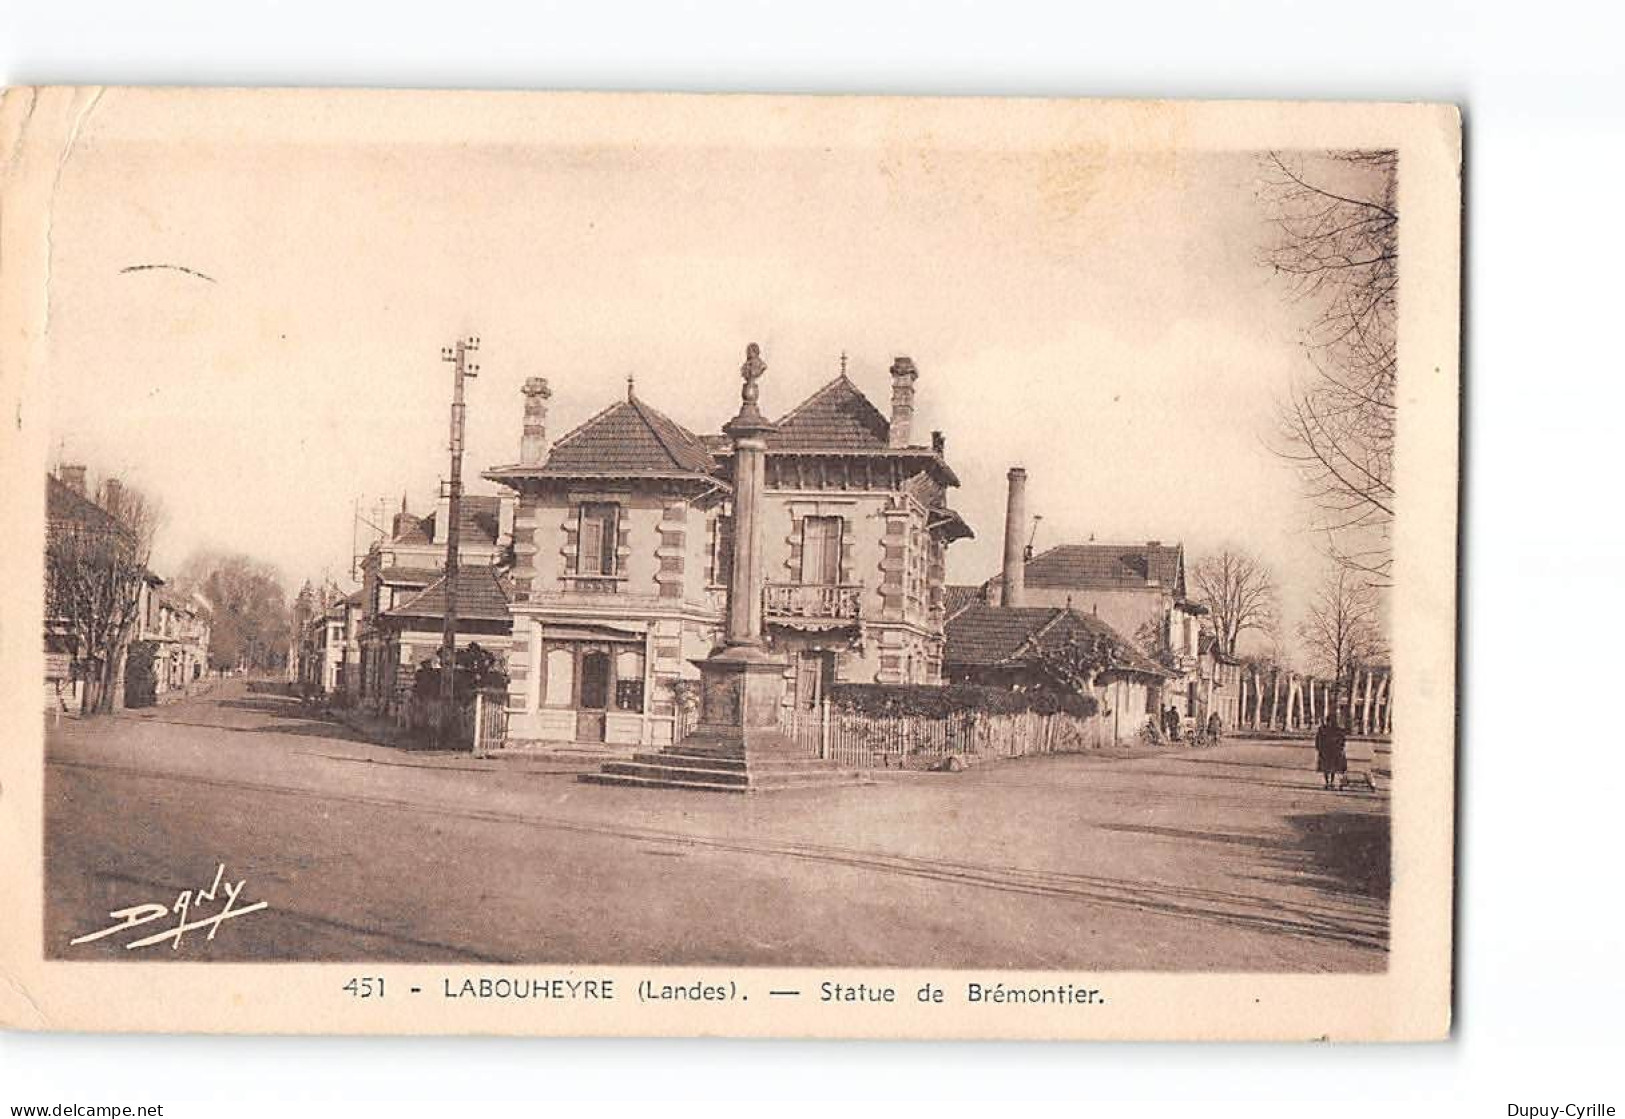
{"x": 744, "y": 684}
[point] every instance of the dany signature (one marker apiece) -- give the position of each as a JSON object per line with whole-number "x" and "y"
{"x": 184, "y": 910}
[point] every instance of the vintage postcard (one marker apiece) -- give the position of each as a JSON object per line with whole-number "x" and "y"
{"x": 647, "y": 564}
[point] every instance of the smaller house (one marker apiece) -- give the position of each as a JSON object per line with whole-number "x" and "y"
{"x": 1005, "y": 647}
{"x": 410, "y": 632}
{"x": 328, "y": 646}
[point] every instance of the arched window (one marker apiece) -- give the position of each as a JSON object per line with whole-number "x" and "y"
{"x": 561, "y": 677}
{"x": 629, "y": 680}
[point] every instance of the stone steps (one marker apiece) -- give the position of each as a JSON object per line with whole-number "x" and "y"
{"x": 678, "y": 757}
{"x": 723, "y": 775}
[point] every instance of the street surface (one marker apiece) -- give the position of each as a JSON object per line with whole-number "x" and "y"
{"x": 1228, "y": 858}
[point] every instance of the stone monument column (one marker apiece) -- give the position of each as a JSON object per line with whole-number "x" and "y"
{"x": 748, "y": 431}
{"x": 737, "y": 745}
{"x": 741, "y": 684}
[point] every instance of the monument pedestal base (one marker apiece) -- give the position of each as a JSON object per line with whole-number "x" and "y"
{"x": 738, "y": 746}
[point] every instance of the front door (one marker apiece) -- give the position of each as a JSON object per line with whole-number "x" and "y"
{"x": 594, "y": 696}
{"x": 815, "y": 672}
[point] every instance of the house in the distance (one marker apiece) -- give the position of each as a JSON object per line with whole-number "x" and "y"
{"x": 1012, "y": 641}
{"x": 623, "y": 546}
{"x": 1219, "y": 686}
{"x": 399, "y": 569}
{"x": 1138, "y": 589}
{"x": 179, "y": 630}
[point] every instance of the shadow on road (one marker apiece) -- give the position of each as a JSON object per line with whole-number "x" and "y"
{"x": 1343, "y": 853}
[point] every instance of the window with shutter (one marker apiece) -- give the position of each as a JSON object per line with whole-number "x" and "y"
{"x": 724, "y": 556}
{"x": 595, "y": 551}
{"x": 821, "y": 550}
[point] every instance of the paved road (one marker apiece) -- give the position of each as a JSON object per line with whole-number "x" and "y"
{"x": 1228, "y": 858}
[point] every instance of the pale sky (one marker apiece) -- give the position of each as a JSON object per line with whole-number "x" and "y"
{"x": 1101, "y": 320}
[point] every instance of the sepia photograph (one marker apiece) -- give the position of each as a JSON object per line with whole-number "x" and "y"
{"x": 587, "y": 532}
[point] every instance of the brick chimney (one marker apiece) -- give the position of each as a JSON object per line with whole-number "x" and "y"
{"x": 113, "y": 497}
{"x": 533, "y": 444}
{"x": 73, "y": 477}
{"x": 903, "y": 376}
{"x": 1015, "y": 518}
{"x": 402, "y": 522}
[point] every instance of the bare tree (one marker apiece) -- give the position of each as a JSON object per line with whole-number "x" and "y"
{"x": 248, "y": 609}
{"x": 95, "y": 566}
{"x": 1343, "y": 630}
{"x": 1073, "y": 664}
{"x": 1237, "y": 588}
{"x": 1335, "y": 240}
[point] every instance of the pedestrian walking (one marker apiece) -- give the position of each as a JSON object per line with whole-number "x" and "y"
{"x": 1331, "y": 755}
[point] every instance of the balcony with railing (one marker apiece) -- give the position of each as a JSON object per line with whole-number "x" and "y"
{"x": 813, "y": 605}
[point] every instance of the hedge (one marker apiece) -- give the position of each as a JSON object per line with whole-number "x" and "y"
{"x": 953, "y": 699}
{"x": 141, "y": 674}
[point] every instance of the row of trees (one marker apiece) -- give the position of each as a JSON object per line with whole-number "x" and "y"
{"x": 1341, "y": 631}
{"x": 250, "y": 622}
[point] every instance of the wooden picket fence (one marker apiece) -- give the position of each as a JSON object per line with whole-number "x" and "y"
{"x": 490, "y": 730}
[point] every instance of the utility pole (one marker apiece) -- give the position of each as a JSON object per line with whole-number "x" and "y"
{"x": 462, "y": 368}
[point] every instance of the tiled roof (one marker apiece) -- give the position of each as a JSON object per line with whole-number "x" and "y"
{"x": 415, "y": 530}
{"x": 177, "y": 603}
{"x": 629, "y": 438}
{"x": 986, "y": 635}
{"x": 982, "y": 635}
{"x": 836, "y": 417}
{"x": 409, "y": 576}
{"x": 66, "y": 505}
{"x": 957, "y": 596}
{"x": 482, "y": 595}
{"x": 1208, "y": 643}
{"x": 1108, "y": 566}
{"x": 478, "y": 519}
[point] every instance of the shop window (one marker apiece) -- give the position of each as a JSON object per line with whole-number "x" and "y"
{"x": 629, "y": 681}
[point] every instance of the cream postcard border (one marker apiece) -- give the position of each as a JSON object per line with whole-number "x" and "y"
{"x": 39, "y": 129}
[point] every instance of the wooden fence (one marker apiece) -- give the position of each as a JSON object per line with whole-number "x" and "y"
{"x": 1286, "y": 702}
{"x": 865, "y": 741}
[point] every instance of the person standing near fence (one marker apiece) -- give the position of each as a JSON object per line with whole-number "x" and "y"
{"x": 1331, "y": 753}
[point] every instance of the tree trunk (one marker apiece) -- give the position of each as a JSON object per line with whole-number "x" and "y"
{"x": 106, "y": 685}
